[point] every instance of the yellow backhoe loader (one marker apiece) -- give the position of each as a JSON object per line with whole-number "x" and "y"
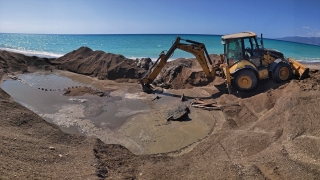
{"x": 243, "y": 63}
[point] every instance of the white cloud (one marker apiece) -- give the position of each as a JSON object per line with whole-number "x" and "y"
{"x": 307, "y": 31}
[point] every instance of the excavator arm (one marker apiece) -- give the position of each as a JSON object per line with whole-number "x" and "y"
{"x": 197, "y": 49}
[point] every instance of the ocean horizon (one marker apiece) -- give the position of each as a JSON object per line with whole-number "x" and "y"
{"x": 135, "y": 46}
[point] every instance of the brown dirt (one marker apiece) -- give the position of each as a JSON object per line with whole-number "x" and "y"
{"x": 99, "y": 64}
{"x": 82, "y": 90}
{"x": 184, "y": 73}
{"x": 273, "y": 135}
{"x": 15, "y": 62}
{"x": 270, "y": 134}
{"x": 180, "y": 74}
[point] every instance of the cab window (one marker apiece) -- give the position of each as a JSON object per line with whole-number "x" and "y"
{"x": 251, "y": 52}
{"x": 251, "y": 48}
{"x": 234, "y": 51}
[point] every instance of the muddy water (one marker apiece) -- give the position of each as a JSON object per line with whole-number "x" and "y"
{"x": 128, "y": 117}
{"x": 42, "y": 93}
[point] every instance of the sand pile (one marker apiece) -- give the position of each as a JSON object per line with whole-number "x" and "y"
{"x": 273, "y": 135}
{"x": 13, "y": 62}
{"x": 183, "y": 73}
{"x": 178, "y": 74}
{"x": 82, "y": 90}
{"x": 99, "y": 64}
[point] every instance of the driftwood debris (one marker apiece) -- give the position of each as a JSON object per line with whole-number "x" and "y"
{"x": 209, "y": 105}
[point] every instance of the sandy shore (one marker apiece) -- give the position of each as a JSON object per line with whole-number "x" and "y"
{"x": 315, "y": 65}
{"x": 271, "y": 133}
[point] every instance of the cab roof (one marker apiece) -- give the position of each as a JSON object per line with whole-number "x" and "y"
{"x": 239, "y": 35}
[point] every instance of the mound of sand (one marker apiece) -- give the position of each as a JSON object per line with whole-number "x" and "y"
{"x": 183, "y": 73}
{"x": 178, "y": 74}
{"x": 272, "y": 135}
{"x": 15, "y": 62}
{"x": 99, "y": 64}
{"x": 82, "y": 90}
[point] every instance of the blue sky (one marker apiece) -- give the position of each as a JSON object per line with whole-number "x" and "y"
{"x": 273, "y": 18}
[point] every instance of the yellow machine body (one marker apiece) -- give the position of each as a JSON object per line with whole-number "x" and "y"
{"x": 244, "y": 62}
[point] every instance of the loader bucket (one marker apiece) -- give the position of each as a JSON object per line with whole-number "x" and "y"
{"x": 298, "y": 69}
{"x": 147, "y": 88}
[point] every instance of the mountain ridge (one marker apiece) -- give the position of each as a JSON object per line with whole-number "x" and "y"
{"x": 303, "y": 40}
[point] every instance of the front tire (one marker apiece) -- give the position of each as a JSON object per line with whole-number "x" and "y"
{"x": 245, "y": 80}
{"x": 282, "y": 72}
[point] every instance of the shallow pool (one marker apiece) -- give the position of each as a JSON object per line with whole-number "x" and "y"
{"x": 43, "y": 94}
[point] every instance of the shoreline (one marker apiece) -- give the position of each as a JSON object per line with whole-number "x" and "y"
{"x": 52, "y": 55}
{"x": 312, "y": 65}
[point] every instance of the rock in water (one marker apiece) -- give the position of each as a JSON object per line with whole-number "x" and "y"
{"x": 178, "y": 113}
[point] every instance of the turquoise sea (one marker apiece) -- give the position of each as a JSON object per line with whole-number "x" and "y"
{"x": 136, "y": 45}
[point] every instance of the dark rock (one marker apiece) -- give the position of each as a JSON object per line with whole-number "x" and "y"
{"x": 157, "y": 97}
{"x": 175, "y": 70}
{"x": 165, "y": 85}
{"x": 183, "y": 98}
{"x": 179, "y": 113}
{"x": 145, "y": 63}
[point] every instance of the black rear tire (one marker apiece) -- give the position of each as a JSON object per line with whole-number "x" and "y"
{"x": 282, "y": 72}
{"x": 245, "y": 80}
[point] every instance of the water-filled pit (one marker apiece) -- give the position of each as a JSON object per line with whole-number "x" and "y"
{"x": 125, "y": 116}
{"x": 43, "y": 93}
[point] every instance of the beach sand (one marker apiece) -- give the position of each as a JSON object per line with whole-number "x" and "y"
{"x": 315, "y": 65}
{"x": 271, "y": 133}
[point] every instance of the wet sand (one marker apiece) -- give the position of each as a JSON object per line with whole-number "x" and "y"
{"x": 155, "y": 134}
{"x": 149, "y": 131}
{"x": 127, "y": 116}
{"x": 315, "y": 65}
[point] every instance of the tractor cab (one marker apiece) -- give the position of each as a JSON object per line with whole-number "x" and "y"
{"x": 242, "y": 46}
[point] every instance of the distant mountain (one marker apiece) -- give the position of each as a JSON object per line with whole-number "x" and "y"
{"x": 304, "y": 40}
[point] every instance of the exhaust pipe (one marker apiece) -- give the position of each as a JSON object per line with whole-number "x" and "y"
{"x": 261, "y": 41}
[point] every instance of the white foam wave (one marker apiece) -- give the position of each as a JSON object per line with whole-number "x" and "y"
{"x": 34, "y": 53}
{"x": 308, "y": 61}
{"x": 304, "y": 60}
